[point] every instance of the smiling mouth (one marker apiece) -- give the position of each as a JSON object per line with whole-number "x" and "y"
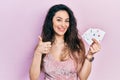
{"x": 61, "y": 29}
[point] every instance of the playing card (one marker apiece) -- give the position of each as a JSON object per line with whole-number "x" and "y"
{"x": 98, "y": 34}
{"x": 88, "y": 36}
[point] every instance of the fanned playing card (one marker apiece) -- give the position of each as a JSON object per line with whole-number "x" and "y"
{"x": 98, "y": 34}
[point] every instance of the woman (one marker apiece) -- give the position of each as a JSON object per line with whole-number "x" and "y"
{"x": 60, "y": 53}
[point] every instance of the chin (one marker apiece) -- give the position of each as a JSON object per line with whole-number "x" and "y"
{"x": 60, "y": 33}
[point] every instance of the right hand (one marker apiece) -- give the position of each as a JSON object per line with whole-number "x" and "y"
{"x": 43, "y": 47}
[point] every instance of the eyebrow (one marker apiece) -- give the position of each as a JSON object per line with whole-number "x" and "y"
{"x": 61, "y": 18}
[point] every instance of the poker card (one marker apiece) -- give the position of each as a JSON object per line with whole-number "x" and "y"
{"x": 88, "y": 36}
{"x": 98, "y": 34}
{"x": 91, "y": 33}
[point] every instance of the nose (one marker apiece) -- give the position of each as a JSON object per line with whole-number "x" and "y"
{"x": 63, "y": 24}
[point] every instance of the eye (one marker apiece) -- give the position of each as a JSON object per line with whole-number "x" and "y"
{"x": 58, "y": 19}
{"x": 66, "y": 20}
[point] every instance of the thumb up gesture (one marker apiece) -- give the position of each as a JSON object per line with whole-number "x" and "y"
{"x": 43, "y": 47}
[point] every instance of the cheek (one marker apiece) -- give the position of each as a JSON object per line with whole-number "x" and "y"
{"x": 55, "y": 27}
{"x": 68, "y": 25}
{"x": 67, "y": 28}
{"x": 55, "y": 24}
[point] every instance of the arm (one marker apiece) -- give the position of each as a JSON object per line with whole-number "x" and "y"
{"x": 35, "y": 66}
{"x": 86, "y": 68}
{"x": 87, "y": 65}
{"x": 43, "y": 47}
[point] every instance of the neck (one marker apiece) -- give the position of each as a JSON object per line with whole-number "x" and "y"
{"x": 59, "y": 39}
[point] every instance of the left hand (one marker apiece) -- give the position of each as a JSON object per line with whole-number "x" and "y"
{"x": 94, "y": 47}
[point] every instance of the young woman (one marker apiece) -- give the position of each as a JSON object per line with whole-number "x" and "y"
{"x": 60, "y": 53}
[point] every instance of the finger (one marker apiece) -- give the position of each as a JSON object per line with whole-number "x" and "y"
{"x": 48, "y": 42}
{"x": 94, "y": 40}
{"x": 40, "y": 40}
{"x": 95, "y": 48}
{"x": 91, "y": 50}
{"x": 97, "y": 45}
{"x": 46, "y": 50}
{"x": 49, "y": 46}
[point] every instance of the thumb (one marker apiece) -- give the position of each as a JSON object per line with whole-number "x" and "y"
{"x": 40, "y": 39}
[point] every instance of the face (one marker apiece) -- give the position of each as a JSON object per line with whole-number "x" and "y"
{"x": 60, "y": 22}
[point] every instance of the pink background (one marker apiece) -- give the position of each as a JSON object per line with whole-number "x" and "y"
{"x": 20, "y": 25}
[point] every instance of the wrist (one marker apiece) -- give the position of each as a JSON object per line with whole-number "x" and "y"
{"x": 89, "y": 57}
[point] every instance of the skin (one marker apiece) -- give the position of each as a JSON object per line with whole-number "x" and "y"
{"x": 60, "y": 26}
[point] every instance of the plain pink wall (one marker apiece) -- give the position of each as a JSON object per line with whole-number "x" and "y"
{"x": 21, "y": 21}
